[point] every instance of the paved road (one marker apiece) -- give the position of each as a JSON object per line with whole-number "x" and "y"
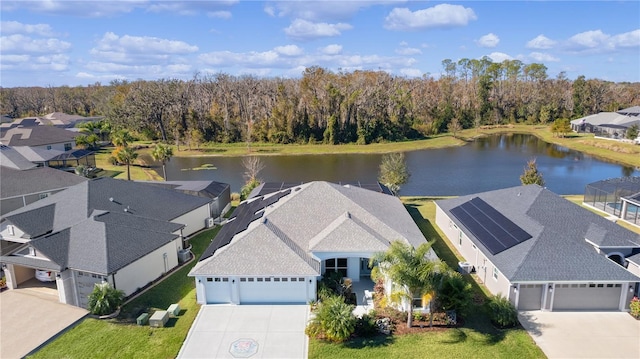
{"x": 243, "y": 331}
{"x": 28, "y": 319}
{"x": 584, "y": 334}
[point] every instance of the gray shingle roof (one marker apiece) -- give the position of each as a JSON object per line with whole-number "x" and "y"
{"x": 10, "y": 158}
{"x": 91, "y": 232}
{"x": 36, "y": 136}
{"x": 41, "y": 179}
{"x": 558, "y": 250}
{"x": 210, "y": 189}
{"x": 311, "y": 218}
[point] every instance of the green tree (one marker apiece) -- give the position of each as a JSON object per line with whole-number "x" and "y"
{"x": 501, "y": 312}
{"x": 104, "y": 299}
{"x": 413, "y": 270}
{"x": 126, "y": 155}
{"x": 454, "y": 126}
{"x": 632, "y": 132}
{"x": 162, "y": 153}
{"x": 393, "y": 171}
{"x": 455, "y": 293}
{"x": 561, "y": 126}
{"x": 333, "y": 320}
{"x": 121, "y": 138}
{"x": 531, "y": 174}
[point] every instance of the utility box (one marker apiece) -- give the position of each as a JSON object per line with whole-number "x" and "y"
{"x": 184, "y": 255}
{"x": 174, "y": 310}
{"x": 159, "y": 319}
{"x": 465, "y": 267}
{"x": 143, "y": 319}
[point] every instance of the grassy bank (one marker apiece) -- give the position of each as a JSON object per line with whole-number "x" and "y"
{"x": 139, "y": 170}
{"x": 614, "y": 151}
{"x": 122, "y": 338}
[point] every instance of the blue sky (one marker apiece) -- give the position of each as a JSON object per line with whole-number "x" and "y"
{"x": 62, "y": 42}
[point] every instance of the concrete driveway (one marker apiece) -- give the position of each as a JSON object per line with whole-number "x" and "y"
{"x": 248, "y": 331}
{"x": 584, "y": 334}
{"x": 28, "y": 318}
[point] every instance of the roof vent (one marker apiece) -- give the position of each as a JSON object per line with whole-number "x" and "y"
{"x": 347, "y": 214}
{"x": 111, "y": 199}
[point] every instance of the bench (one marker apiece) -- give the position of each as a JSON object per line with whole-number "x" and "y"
{"x": 143, "y": 319}
{"x": 159, "y": 319}
{"x": 174, "y": 309}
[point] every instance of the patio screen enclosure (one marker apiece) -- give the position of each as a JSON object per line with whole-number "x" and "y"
{"x": 617, "y": 196}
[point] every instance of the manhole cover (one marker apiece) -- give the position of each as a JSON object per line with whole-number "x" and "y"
{"x": 243, "y": 348}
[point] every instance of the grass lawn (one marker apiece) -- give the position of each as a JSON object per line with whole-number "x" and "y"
{"x": 122, "y": 338}
{"x": 477, "y": 339}
{"x": 139, "y": 170}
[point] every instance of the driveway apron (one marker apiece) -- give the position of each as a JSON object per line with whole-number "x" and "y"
{"x": 247, "y": 331}
{"x": 584, "y": 334}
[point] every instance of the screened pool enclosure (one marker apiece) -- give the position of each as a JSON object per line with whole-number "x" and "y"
{"x": 617, "y": 196}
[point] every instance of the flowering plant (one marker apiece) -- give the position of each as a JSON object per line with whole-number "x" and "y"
{"x": 635, "y": 307}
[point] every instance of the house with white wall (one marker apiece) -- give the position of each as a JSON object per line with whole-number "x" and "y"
{"x": 103, "y": 230}
{"x": 276, "y": 246}
{"x": 540, "y": 250}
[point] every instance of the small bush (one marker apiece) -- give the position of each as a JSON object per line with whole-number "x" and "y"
{"x": 366, "y": 326}
{"x": 105, "y": 299}
{"x": 235, "y": 196}
{"x": 333, "y": 321}
{"x": 635, "y": 307}
{"x": 502, "y": 313}
{"x": 455, "y": 294}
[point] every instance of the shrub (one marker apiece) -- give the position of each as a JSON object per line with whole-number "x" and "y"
{"x": 3, "y": 282}
{"x": 502, "y": 313}
{"x": 333, "y": 321}
{"x": 634, "y": 307}
{"x": 235, "y": 196}
{"x": 455, "y": 294}
{"x": 105, "y": 299}
{"x": 366, "y": 326}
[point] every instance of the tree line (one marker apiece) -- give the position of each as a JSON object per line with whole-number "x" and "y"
{"x": 330, "y": 107}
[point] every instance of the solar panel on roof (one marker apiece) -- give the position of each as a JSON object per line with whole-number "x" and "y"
{"x": 495, "y": 231}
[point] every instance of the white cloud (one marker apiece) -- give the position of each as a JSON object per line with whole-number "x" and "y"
{"x": 306, "y": 30}
{"x": 125, "y": 48}
{"x": 332, "y": 49}
{"x": 248, "y": 59}
{"x": 439, "y": 16}
{"x": 220, "y": 14}
{"x": 289, "y": 50}
{"x": 596, "y": 41}
{"x": 543, "y": 57}
{"x": 499, "y": 56}
{"x": 15, "y": 27}
{"x": 19, "y": 44}
{"x": 489, "y": 40}
{"x": 321, "y": 11}
{"x": 404, "y": 49}
{"x": 541, "y": 42}
{"x": 56, "y": 62}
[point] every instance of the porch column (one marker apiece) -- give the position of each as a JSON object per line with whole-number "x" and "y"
{"x": 11, "y": 276}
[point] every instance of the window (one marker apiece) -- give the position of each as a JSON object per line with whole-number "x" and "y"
{"x": 618, "y": 285}
{"x": 250, "y": 279}
{"x": 460, "y": 238}
{"x": 336, "y": 265}
{"x": 300, "y": 279}
{"x": 609, "y": 285}
{"x": 495, "y": 273}
{"x": 285, "y": 279}
{"x": 267, "y": 279}
{"x": 592, "y": 285}
{"x": 209, "y": 279}
{"x": 48, "y": 147}
{"x": 43, "y": 195}
{"x": 600, "y": 285}
{"x": 259, "y": 279}
{"x": 67, "y": 146}
{"x": 276, "y": 279}
{"x": 217, "y": 279}
{"x": 225, "y": 279}
{"x": 294, "y": 279}
{"x": 243, "y": 279}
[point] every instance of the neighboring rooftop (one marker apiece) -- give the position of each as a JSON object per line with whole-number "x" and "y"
{"x": 35, "y": 136}
{"x": 558, "y": 249}
{"x": 10, "y": 158}
{"x": 56, "y": 119}
{"x": 270, "y": 187}
{"x": 15, "y": 182}
{"x": 210, "y": 189}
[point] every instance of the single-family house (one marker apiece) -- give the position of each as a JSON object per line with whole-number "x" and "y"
{"x": 219, "y": 193}
{"x": 617, "y": 196}
{"x": 540, "y": 250}
{"x": 610, "y": 124}
{"x": 19, "y": 188}
{"x": 276, "y": 246}
{"x": 54, "y": 119}
{"x": 103, "y": 230}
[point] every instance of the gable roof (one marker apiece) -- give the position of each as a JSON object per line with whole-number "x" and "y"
{"x": 16, "y": 183}
{"x": 35, "y": 136}
{"x": 558, "y": 249}
{"x": 103, "y": 224}
{"x": 303, "y": 221}
{"x": 608, "y": 119}
{"x": 10, "y": 158}
{"x": 209, "y": 189}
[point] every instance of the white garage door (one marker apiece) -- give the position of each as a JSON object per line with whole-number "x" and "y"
{"x": 273, "y": 290}
{"x": 587, "y": 297}
{"x": 218, "y": 290}
{"x": 530, "y": 297}
{"x": 85, "y": 282}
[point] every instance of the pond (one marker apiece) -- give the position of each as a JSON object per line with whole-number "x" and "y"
{"x": 487, "y": 163}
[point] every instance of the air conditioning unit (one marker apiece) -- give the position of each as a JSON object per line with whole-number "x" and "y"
{"x": 465, "y": 267}
{"x": 209, "y": 222}
{"x": 183, "y": 255}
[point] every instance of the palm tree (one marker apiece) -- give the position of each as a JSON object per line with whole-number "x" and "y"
{"x": 412, "y": 269}
{"x": 121, "y": 138}
{"x": 163, "y": 154}
{"x": 127, "y": 155}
